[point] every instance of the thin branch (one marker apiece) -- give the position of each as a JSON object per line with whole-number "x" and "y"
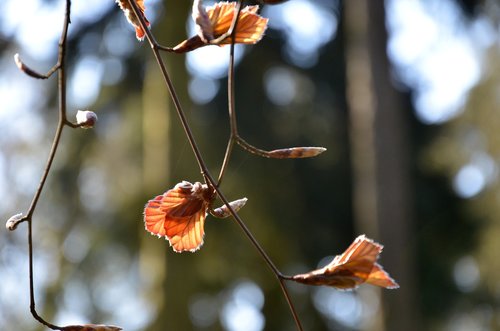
{"x": 155, "y": 48}
{"x": 31, "y": 72}
{"x": 231, "y": 100}
{"x": 61, "y": 88}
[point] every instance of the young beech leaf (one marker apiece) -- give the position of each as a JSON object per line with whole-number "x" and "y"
{"x": 223, "y": 211}
{"x": 133, "y": 19}
{"x": 296, "y": 152}
{"x": 179, "y": 215}
{"x": 249, "y": 30}
{"x": 204, "y": 27}
{"x": 357, "y": 265}
{"x": 91, "y": 327}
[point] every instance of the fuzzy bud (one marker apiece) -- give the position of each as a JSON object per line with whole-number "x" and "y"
{"x": 223, "y": 212}
{"x": 86, "y": 119}
{"x": 91, "y": 327}
{"x": 13, "y": 222}
{"x": 296, "y": 152}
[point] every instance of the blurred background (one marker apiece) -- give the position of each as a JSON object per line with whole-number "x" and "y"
{"x": 405, "y": 94}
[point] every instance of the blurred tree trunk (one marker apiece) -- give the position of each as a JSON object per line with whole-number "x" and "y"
{"x": 161, "y": 127}
{"x": 380, "y": 159}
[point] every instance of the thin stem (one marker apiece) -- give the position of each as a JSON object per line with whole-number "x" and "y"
{"x": 61, "y": 88}
{"x": 231, "y": 100}
{"x": 32, "y": 291}
{"x": 251, "y": 148}
{"x": 202, "y": 164}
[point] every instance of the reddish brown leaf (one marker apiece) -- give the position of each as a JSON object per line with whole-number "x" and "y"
{"x": 179, "y": 215}
{"x": 352, "y": 268}
{"x": 133, "y": 19}
{"x": 296, "y": 152}
{"x": 249, "y": 30}
{"x": 91, "y": 327}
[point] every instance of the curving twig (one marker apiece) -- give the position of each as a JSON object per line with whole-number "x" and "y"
{"x": 156, "y": 48}
{"x": 63, "y": 121}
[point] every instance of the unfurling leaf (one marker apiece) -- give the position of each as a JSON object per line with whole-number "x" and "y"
{"x": 86, "y": 119}
{"x": 91, "y": 327}
{"x": 14, "y": 221}
{"x": 179, "y": 215}
{"x": 357, "y": 265}
{"x": 296, "y": 152}
{"x": 133, "y": 19}
{"x": 249, "y": 30}
{"x": 204, "y": 27}
{"x": 223, "y": 212}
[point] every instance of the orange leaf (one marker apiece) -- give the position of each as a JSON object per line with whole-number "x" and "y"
{"x": 179, "y": 215}
{"x": 249, "y": 30}
{"x": 129, "y": 14}
{"x": 352, "y": 268}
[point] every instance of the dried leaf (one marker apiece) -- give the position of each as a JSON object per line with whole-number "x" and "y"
{"x": 133, "y": 19}
{"x": 91, "y": 327}
{"x": 249, "y": 30}
{"x": 223, "y": 211}
{"x": 357, "y": 265}
{"x": 296, "y": 152}
{"x": 179, "y": 215}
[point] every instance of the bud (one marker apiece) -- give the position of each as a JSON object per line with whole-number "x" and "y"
{"x": 223, "y": 212}
{"x": 27, "y": 70}
{"x": 295, "y": 152}
{"x": 14, "y": 221}
{"x": 91, "y": 327}
{"x": 86, "y": 119}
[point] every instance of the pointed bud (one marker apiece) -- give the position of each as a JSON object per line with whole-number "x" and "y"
{"x": 27, "y": 70}
{"x": 86, "y": 119}
{"x": 91, "y": 327}
{"x": 223, "y": 212}
{"x": 296, "y": 152}
{"x": 14, "y": 221}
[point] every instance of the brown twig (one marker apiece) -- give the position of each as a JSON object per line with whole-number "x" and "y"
{"x": 59, "y": 67}
{"x": 201, "y": 163}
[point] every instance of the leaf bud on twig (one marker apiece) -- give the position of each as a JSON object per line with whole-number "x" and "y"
{"x": 14, "y": 221}
{"x": 223, "y": 212}
{"x": 296, "y": 152}
{"x": 86, "y": 119}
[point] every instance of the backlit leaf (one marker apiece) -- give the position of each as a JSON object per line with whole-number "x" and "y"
{"x": 179, "y": 215}
{"x": 357, "y": 265}
{"x": 129, "y": 14}
{"x": 249, "y": 30}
